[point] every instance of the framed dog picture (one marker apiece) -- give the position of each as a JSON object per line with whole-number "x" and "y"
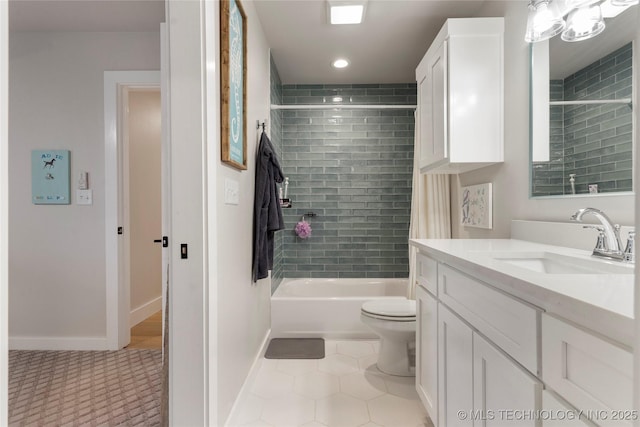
{"x": 50, "y": 177}
{"x": 233, "y": 83}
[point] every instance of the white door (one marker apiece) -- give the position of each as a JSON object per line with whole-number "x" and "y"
{"x": 455, "y": 370}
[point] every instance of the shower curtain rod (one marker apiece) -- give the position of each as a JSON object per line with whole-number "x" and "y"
{"x": 342, "y": 106}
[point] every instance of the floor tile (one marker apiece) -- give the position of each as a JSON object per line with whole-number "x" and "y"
{"x": 290, "y": 410}
{"x": 316, "y": 385}
{"x": 355, "y": 349}
{"x": 341, "y": 410}
{"x": 270, "y": 384}
{"x": 389, "y": 410}
{"x": 402, "y": 386}
{"x": 297, "y": 366}
{"x": 330, "y": 347}
{"x": 338, "y": 364}
{"x": 367, "y": 361}
{"x": 362, "y": 386}
{"x": 249, "y": 410}
{"x": 344, "y": 389}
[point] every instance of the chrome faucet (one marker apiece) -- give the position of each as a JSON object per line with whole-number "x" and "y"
{"x": 608, "y": 245}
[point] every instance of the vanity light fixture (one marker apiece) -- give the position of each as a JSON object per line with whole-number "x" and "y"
{"x": 544, "y": 21}
{"x": 342, "y": 12}
{"x": 583, "y": 23}
{"x": 584, "y": 18}
{"x": 340, "y": 63}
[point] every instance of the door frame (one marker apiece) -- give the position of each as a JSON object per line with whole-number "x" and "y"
{"x": 4, "y": 211}
{"x": 116, "y": 247}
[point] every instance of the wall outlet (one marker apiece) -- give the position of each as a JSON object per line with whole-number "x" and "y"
{"x": 84, "y": 197}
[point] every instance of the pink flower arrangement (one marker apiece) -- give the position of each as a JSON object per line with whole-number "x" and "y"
{"x": 303, "y": 229}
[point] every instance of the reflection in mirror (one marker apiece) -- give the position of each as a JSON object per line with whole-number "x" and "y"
{"x": 582, "y": 121}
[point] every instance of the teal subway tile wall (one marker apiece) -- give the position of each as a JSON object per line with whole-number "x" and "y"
{"x": 597, "y": 139}
{"x": 275, "y": 132}
{"x": 353, "y": 169}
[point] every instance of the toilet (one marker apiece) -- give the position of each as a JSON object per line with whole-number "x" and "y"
{"x": 394, "y": 321}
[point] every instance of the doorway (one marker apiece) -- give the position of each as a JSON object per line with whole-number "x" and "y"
{"x": 119, "y": 86}
{"x": 142, "y": 172}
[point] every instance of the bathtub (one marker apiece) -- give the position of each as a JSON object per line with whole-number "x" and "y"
{"x": 327, "y": 308}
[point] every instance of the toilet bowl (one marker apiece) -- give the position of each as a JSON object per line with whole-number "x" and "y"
{"x": 394, "y": 321}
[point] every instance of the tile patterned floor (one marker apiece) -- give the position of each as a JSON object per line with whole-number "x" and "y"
{"x": 345, "y": 389}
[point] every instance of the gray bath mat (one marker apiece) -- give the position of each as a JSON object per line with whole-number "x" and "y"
{"x": 295, "y": 348}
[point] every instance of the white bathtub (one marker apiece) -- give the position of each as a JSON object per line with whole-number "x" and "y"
{"x": 328, "y": 308}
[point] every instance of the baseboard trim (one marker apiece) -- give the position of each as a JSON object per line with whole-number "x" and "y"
{"x": 58, "y": 343}
{"x": 253, "y": 371}
{"x": 140, "y": 313}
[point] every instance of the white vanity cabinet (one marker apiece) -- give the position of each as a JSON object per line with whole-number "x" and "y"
{"x": 427, "y": 351}
{"x": 460, "y": 97}
{"x": 466, "y": 372}
{"x": 502, "y": 390}
{"x": 561, "y": 414}
{"x": 520, "y": 348}
{"x": 455, "y": 369}
{"x": 591, "y": 373}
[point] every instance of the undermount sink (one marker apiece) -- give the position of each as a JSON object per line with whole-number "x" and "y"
{"x": 553, "y": 263}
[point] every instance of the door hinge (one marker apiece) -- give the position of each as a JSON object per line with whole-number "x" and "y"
{"x": 120, "y": 230}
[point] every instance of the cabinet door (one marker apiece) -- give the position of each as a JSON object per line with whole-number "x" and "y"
{"x": 427, "y": 352}
{"x": 558, "y": 413}
{"x": 455, "y": 369}
{"x": 589, "y": 372}
{"x": 503, "y": 392}
{"x": 432, "y": 110}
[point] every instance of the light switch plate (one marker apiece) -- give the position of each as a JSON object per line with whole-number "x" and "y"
{"x": 84, "y": 197}
{"x": 231, "y": 192}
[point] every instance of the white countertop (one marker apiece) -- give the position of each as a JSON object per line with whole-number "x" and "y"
{"x": 600, "y": 302}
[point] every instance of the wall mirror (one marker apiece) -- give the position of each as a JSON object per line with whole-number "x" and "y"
{"x": 581, "y": 123}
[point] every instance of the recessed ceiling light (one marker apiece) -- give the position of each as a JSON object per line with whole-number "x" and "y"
{"x": 340, "y": 63}
{"x": 345, "y": 11}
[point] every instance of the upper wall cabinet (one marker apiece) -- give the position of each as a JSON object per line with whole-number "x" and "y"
{"x": 460, "y": 97}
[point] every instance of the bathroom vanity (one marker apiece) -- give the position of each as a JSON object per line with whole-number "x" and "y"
{"x": 521, "y": 333}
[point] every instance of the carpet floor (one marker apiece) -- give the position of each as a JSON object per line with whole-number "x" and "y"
{"x": 85, "y": 388}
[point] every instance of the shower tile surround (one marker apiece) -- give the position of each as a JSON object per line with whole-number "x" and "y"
{"x": 275, "y": 132}
{"x": 353, "y": 168}
{"x": 597, "y": 138}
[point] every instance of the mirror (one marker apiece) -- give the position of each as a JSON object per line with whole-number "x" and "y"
{"x": 581, "y": 125}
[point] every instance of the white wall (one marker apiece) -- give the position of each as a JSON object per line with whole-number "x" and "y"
{"x": 244, "y": 307}
{"x": 511, "y": 178}
{"x": 57, "y": 258}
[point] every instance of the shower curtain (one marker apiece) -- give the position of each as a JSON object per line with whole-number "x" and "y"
{"x": 430, "y": 210}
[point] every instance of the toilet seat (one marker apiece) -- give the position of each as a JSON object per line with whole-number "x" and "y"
{"x": 394, "y": 310}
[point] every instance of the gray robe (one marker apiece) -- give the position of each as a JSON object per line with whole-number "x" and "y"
{"x": 267, "y": 213}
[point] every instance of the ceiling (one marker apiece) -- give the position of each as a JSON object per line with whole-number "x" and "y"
{"x": 385, "y": 48}
{"x": 85, "y": 15}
